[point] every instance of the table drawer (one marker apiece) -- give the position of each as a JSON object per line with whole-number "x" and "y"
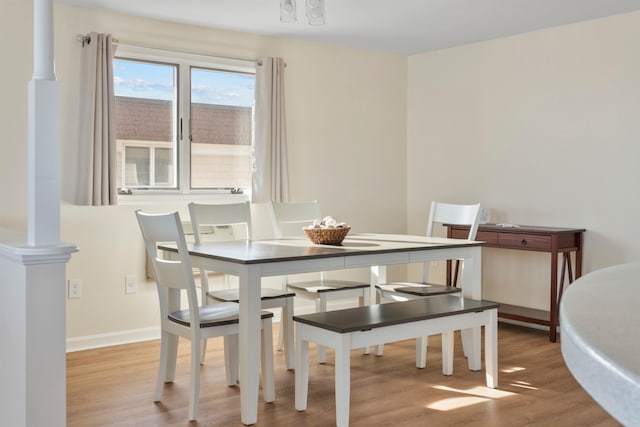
{"x": 521, "y": 241}
{"x": 490, "y": 237}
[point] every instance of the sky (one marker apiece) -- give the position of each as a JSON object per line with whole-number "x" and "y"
{"x": 156, "y": 81}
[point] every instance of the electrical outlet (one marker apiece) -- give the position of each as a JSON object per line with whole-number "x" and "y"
{"x": 74, "y": 290}
{"x": 130, "y": 284}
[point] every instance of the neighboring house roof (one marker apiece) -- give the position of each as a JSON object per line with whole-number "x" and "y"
{"x": 145, "y": 119}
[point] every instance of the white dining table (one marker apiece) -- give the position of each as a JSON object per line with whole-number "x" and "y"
{"x": 253, "y": 260}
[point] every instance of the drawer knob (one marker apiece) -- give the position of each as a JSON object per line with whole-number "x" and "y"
{"x": 524, "y": 242}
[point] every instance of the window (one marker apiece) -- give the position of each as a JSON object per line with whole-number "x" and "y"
{"x": 184, "y": 123}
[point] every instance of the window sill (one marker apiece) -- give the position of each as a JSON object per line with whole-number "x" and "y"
{"x": 180, "y": 198}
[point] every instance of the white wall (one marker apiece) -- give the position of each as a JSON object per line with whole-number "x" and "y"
{"x": 16, "y": 47}
{"x": 543, "y": 129}
{"x": 347, "y": 131}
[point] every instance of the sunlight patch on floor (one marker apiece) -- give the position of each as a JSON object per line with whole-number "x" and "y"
{"x": 524, "y": 384}
{"x": 473, "y": 396}
{"x": 512, "y": 370}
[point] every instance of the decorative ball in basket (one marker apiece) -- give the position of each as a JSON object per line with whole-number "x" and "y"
{"x": 327, "y": 232}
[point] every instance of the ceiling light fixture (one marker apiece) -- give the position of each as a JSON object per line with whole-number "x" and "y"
{"x": 314, "y": 10}
{"x": 287, "y": 11}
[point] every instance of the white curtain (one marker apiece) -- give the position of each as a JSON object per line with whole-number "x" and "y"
{"x": 270, "y": 174}
{"x": 97, "y": 143}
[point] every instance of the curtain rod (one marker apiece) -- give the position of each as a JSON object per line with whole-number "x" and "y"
{"x": 86, "y": 39}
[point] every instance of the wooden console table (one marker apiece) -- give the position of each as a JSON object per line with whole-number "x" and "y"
{"x": 554, "y": 240}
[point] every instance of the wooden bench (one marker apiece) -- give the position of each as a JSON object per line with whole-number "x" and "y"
{"x": 344, "y": 330}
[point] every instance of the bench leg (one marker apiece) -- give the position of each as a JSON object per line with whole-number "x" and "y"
{"x": 421, "y": 352}
{"x": 471, "y": 343}
{"x": 343, "y": 381}
{"x": 302, "y": 370}
{"x": 447, "y": 353}
{"x": 491, "y": 349}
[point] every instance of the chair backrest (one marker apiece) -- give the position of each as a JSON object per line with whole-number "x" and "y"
{"x": 174, "y": 275}
{"x": 220, "y": 215}
{"x": 290, "y": 217}
{"x": 446, "y": 213}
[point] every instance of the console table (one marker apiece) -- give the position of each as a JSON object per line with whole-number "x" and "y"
{"x": 554, "y": 240}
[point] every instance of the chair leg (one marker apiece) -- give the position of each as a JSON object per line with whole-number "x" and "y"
{"x": 379, "y": 347}
{"x": 281, "y": 337}
{"x": 266, "y": 361}
{"x": 231, "y": 359}
{"x": 203, "y": 351}
{"x": 286, "y": 332}
{"x": 195, "y": 379}
{"x": 172, "y": 357}
{"x": 163, "y": 366}
{"x": 280, "y": 344}
{"x": 321, "y": 306}
{"x": 364, "y": 300}
{"x": 421, "y": 352}
{"x": 204, "y": 290}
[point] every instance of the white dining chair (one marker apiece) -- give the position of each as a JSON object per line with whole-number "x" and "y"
{"x": 196, "y": 323}
{"x": 439, "y": 213}
{"x": 238, "y": 216}
{"x": 290, "y": 219}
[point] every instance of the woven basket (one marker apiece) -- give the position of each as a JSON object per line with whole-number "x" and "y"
{"x": 327, "y": 236}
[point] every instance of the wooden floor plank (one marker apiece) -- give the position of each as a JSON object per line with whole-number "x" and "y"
{"x": 114, "y": 387}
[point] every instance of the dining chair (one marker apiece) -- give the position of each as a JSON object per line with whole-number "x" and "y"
{"x": 238, "y": 216}
{"x": 439, "y": 213}
{"x": 290, "y": 218}
{"x": 197, "y": 322}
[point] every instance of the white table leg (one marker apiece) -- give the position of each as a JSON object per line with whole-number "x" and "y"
{"x": 343, "y": 380}
{"x": 249, "y": 343}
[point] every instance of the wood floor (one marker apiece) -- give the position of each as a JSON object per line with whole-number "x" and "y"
{"x": 114, "y": 387}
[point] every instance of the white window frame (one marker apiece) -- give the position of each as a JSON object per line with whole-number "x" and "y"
{"x": 184, "y": 62}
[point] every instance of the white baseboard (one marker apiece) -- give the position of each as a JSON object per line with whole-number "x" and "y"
{"x": 89, "y": 342}
{"x": 112, "y": 338}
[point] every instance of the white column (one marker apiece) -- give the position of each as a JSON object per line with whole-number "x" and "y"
{"x": 32, "y": 360}
{"x": 32, "y": 265}
{"x": 44, "y": 135}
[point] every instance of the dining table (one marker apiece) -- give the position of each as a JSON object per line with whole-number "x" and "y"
{"x": 251, "y": 260}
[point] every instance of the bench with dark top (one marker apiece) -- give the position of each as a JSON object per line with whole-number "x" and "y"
{"x": 382, "y": 323}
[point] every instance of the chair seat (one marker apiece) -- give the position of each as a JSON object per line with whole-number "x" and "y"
{"x": 233, "y": 295}
{"x": 317, "y": 286}
{"x": 213, "y": 315}
{"x": 418, "y": 289}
